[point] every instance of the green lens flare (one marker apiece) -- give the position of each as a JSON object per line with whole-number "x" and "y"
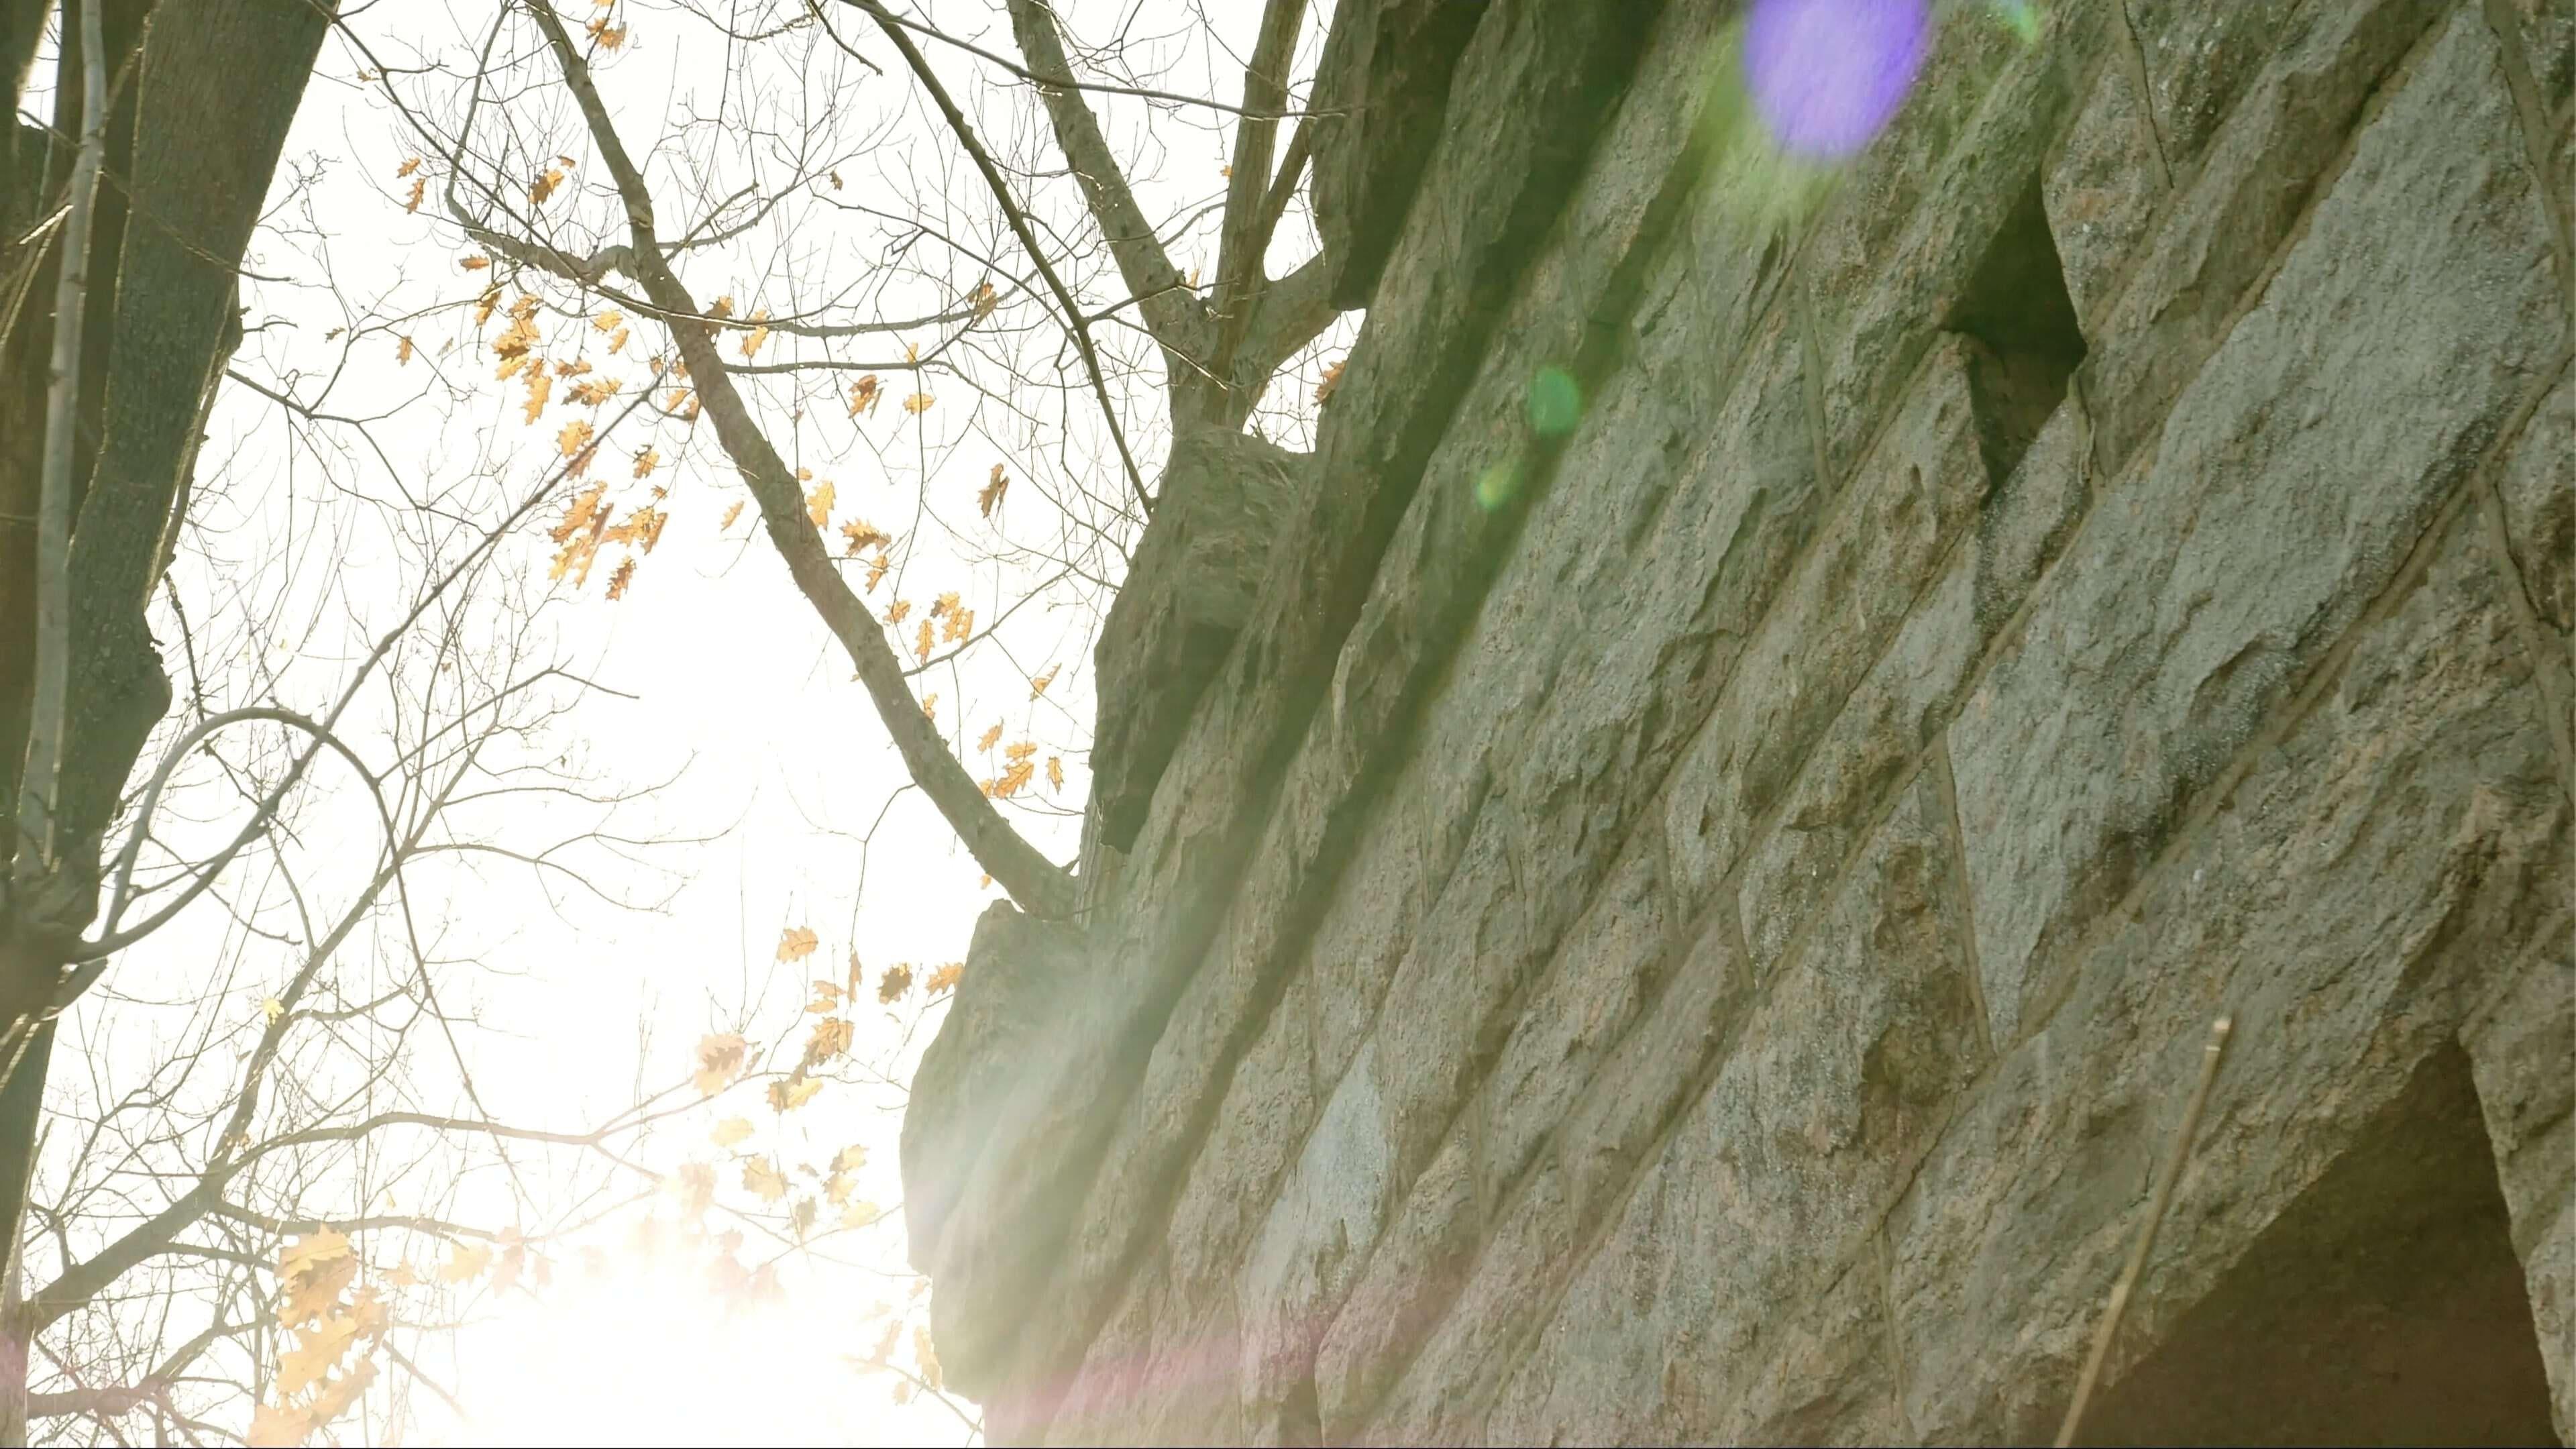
{"x": 1555, "y": 402}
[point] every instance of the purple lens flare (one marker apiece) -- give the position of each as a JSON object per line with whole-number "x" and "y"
{"x": 1827, "y": 75}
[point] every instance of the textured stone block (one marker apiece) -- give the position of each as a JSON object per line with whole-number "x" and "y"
{"x": 2215, "y": 576}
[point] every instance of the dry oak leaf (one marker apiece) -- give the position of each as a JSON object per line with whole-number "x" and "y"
{"x": 862, "y": 535}
{"x": 544, "y": 186}
{"x": 580, "y": 512}
{"x": 720, "y": 1060}
{"x": 730, "y": 515}
{"x": 827, "y": 997}
{"x": 648, "y": 458}
{"x": 877, "y": 568}
{"x": 793, "y": 1092}
{"x": 1332, "y": 380}
{"x": 464, "y": 1264}
{"x": 923, "y": 646}
{"x": 764, "y": 1181}
{"x": 1038, "y": 685}
{"x": 278, "y": 1426}
{"x": 818, "y": 504}
{"x": 960, "y": 626}
{"x": 917, "y": 404}
{"x": 991, "y": 737}
{"x": 574, "y": 437}
{"x": 928, "y": 1361}
{"x": 990, "y": 496}
{"x": 730, "y": 1131}
{"x": 895, "y": 611}
{"x": 597, "y": 390}
{"x": 642, "y": 528}
{"x": 864, "y": 394}
{"x": 402, "y": 350}
{"x": 1055, "y": 773}
{"x": 319, "y": 1351}
{"x": 618, "y": 581}
{"x": 419, "y": 192}
{"x": 896, "y": 981}
{"x": 410, "y": 165}
{"x": 540, "y": 387}
{"x": 796, "y": 943}
{"x": 476, "y": 263}
{"x": 695, "y": 1186}
{"x": 751, "y": 340}
{"x": 831, "y": 1038}
{"x": 945, "y": 978}
{"x": 930, "y": 701}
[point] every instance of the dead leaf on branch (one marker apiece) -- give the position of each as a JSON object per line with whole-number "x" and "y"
{"x": 862, "y": 535}
{"x": 831, "y": 1038}
{"x": 721, "y": 1058}
{"x": 896, "y": 981}
{"x": 990, "y": 497}
{"x": 796, "y": 943}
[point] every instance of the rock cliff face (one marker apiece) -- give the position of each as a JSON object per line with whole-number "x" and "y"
{"x": 1699, "y": 924}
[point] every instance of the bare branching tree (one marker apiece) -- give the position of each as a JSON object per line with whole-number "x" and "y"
{"x": 933, "y": 293}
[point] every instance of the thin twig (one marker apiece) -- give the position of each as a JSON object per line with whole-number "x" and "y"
{"x": 2156, "y": 1205}
{"x": 892, "y": 25}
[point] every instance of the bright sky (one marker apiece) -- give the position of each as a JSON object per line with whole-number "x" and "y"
{"x": 737, "y": 696}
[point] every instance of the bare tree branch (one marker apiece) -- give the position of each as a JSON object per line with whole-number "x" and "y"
{"x": 38, "y": 810}
{"x": 1173, "y": 314}
{"x": 1038, "y": 884}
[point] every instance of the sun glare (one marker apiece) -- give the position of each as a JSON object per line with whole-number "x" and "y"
{"x": 656, "y": 1356}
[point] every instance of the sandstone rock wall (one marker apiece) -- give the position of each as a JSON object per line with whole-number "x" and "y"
{"x": 1699, "y": 925}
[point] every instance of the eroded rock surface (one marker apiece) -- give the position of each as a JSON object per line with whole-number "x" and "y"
{"x": 1700, "y": 927}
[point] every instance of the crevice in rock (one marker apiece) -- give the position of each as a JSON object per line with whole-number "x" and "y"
{"x": 1301, "y": 1419}
{"x": 2016, "y": 304}
{"x": 2385, "y": 1305}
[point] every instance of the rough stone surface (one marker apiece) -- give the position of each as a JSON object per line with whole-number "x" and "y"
{"x": 1188, "y": 590}
{"x": 1699, "y": 926}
